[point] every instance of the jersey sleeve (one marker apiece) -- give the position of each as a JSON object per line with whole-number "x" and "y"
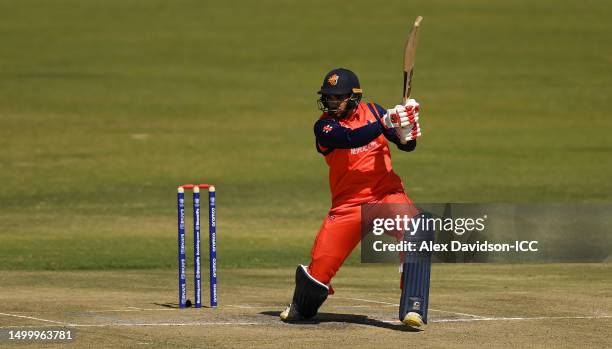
{"x": 331, "y": 134}
{"x": 391, "y": 135}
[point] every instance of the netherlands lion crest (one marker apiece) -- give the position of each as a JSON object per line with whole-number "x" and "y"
{"x": 333, "y": 80}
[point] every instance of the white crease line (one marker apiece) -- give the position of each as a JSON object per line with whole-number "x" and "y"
{"x": 397, "y": 305}
{"x": 367, "y": 300}
{"x": 162, "y": 324}
{"x": 526, "y": 318}
{"x": 130, "y": 309}
{"x": 33, "y": 326}
{"x": 170, "y": 324}
{"x": 383, "y": 304}
{"x": 361, "y": 306}
{"x": 254, "y": 306}
{"x": 457, "y": 313}
{"x": 282, "y": 306}
{"x": 182, "y": 324}
{"x": 34, "y": 318}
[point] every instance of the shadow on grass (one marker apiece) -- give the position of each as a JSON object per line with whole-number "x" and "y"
{"x": 176, "y": 305}
{"x": 346, "y": 318}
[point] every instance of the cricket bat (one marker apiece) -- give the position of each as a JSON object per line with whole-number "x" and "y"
{"x": 409, "y": 54}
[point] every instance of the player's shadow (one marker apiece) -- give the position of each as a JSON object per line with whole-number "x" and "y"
{"x": 348, "y": 319}
{"x": 168, "y": 305}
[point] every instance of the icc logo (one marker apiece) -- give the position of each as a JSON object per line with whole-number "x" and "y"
{"x": 333, "y": 80}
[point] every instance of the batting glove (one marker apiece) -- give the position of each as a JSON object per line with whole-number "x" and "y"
{"x": 412, "y": 104}
{"x": 410, "y": 133}
{"x": 413, "y": 130}
{"x": 396, "y": 117}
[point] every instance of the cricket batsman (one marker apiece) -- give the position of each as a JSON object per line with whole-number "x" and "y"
{"x": 354, "y": 137}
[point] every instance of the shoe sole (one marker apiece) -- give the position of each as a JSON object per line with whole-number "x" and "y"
{"x": 412, "y": 320}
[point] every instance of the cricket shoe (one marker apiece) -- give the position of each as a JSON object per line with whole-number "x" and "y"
{"x": 413, "y": 319}
{"x": 291, "y": 314}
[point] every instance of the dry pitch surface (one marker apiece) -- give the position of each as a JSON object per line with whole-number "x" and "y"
{"x": 472, "y": 305}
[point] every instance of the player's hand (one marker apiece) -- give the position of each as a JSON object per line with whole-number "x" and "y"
{"x": 396, "y": 117}
{"x": 407, "y": 134}
{"x": 412, "y": 104}
{"x": 413, "y": 130}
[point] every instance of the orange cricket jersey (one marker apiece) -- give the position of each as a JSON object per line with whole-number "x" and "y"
{"x": 362, "y": 174}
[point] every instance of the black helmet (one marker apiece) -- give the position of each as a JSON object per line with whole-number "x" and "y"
{"x": 340, "y": 81}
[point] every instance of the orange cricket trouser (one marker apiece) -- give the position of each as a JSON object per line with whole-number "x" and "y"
{"x": 339, "y": 234}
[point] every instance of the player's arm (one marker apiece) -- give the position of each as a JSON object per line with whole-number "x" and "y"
{"x": 391, "y": 134}
{"x": 331, "y": 134}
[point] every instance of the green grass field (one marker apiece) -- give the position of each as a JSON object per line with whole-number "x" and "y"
{"x": 106, "y": 105}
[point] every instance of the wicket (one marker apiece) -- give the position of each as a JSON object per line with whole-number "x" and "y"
{"x": 212, "y": 238}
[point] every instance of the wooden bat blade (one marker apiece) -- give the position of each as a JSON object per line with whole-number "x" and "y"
{"x": 409, "y": 55}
